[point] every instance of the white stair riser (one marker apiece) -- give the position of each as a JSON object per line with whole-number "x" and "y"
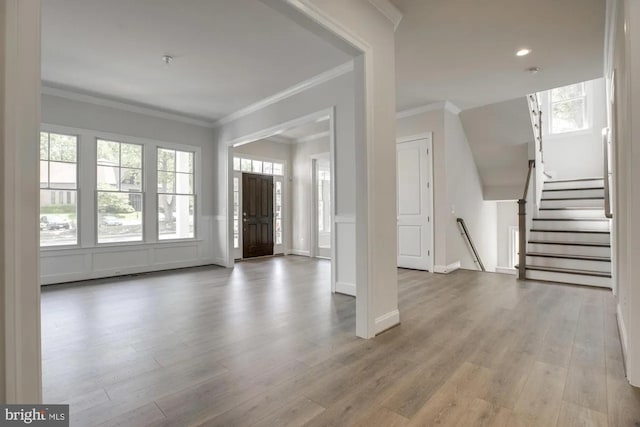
{"x": 576, "y": 279}
{"x": 577, "y": 203}
{"x": 574, "y": 264}
{"x": 572, "y": 194}
{"x": 569, "y": 237}
{"x": 570, "y": 185}
{"x": 569, "y": 249}
{"x": 572, "y": 213}
{"x": 572, "y": 225}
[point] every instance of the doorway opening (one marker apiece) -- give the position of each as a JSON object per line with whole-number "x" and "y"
{"x": 293, "y": 164}
{"x": 258, "y": 203}
{"x": 321, "y": 211}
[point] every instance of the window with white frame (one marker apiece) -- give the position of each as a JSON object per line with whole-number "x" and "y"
{"x": 568, "y": 108}
{"x": 241, "y": 164}
{"x": 58, "y": 189}
{"x": 119, "y": 192}
{"x": 176, "y": 198}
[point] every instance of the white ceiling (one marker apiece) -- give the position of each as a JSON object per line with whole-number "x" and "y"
{"x": 228, "y": 53}
{"x": 464, "y": 50}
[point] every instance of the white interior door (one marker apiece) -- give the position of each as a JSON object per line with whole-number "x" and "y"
{"x": 414, "y": 204}
{"x": 322, "y": 206}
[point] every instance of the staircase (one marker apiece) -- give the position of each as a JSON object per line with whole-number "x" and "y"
{"x": 570, "y": 239}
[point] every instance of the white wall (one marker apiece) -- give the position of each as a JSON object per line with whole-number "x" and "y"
{"x": 507, "y": 218}
{"x": 464, "y": 189}
{"x": 457, "y": 191}
{"x": 576, "y": 154}
{"x": 89, "y": 260}
{"x": 499, "y": 136}
{"x": 302, "y": 192}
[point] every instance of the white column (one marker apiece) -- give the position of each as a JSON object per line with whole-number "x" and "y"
{"x": 369, "y": 30}
{"x": 20, "y": 370}
{"x": 632, "y": 321}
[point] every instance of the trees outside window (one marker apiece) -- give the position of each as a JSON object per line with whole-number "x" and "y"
{"x": 568, "y": 108}
{"x": 120, "y": 192}
{"x": 58, "y": 177}
{"x": 176, "y": 199}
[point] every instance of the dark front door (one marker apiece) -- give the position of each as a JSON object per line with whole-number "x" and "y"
{"x": 257, "y": 215}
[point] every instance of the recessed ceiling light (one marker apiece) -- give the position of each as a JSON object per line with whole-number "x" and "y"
{"x": 523, "y": 52}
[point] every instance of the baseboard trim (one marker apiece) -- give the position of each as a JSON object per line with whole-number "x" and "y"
{"x": 506, "y": 270}
{"x": 386, "y": 321}
{"x": 55, "y": 279}
{"x": 299, "y": 252}
{"x": 220, "y": 262}
{"x": 445, "y": 269}
{"x": 346, "y": 288}
{"x": 623, "y": 334}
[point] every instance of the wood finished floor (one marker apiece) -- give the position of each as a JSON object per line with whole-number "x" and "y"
{"x": 267, "y": 344}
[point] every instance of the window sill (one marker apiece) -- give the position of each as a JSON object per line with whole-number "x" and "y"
{"x": 570, "y": 134}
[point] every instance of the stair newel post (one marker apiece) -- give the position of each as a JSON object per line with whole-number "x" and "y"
{"x": 522, "y": 239}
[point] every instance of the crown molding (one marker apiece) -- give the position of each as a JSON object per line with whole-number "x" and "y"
{"x": 442, "y": 105}
{"x": 280, "y": 139}
{"x": 287, "y": 93}
{"x": 389, "y": 11}
{"x": 314, "y": 137}
{"x": 121, "y": 105}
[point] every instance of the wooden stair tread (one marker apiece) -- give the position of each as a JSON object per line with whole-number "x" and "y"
{"x": 569, "y": 271}
{"x": 573, "y": 189}
{"x": 573, "y": 180}
{"x": 574, "y": 208}
{"x": 571, "y": 219}
{"x": 565, "y": 256}
{"x": 546, "y": 242}
{"x": 569, "y": 231}
{"x": 574, "y": 198}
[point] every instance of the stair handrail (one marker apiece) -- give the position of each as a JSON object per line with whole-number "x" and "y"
{"x": 606, "y": 141}
{"x": 535, "y": 112}
{"x": 522, "y": 225}
{"x": 465, "y": 234}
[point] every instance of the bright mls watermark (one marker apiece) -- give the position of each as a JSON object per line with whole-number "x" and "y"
{"x": 34, "y": 415}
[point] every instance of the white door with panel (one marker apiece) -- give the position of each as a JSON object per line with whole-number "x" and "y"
{"x": 415, "y": 233}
